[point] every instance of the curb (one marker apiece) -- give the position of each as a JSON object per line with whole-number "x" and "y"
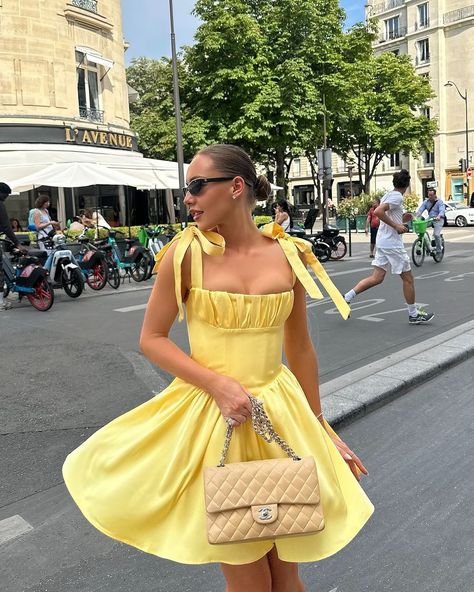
{"x": 357, "y": 393}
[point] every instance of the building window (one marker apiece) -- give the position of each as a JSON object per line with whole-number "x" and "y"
{"x": 396, "y": 52}
{"x": 296, "y": 167}
{"x": 392, "y": 28}
{"x": 88, "y": 89}
{"x": 423, "y": 16}
{"x": 429, "y": 158}
{"x": 426, "y": 111}
{"x": 395, "y": 160}
{"x": 423, "y": 56}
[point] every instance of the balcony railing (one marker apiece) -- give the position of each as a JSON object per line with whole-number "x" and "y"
{"x": 391, "y": 35}
{"x": 91, "y": 114}
{"x": 458, "y": 15}
{"x": 90, "y": 5}
{"x": 387, "y": 5}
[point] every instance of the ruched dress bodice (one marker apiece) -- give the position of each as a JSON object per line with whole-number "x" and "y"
{"x": 243, "y": 328}
{"x": 139, "y": 478}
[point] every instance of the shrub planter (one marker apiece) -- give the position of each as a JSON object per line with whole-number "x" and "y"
{"x": 360, "y": 222}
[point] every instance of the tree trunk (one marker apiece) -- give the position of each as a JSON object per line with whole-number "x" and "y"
{"x": 280, "y": 172}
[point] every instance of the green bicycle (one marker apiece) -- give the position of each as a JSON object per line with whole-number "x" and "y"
{"x": 424, "y": 244}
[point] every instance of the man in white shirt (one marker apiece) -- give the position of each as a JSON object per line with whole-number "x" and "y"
{"x": 390, "y": 250}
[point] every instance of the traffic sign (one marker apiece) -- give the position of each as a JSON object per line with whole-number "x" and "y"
{"x": 469, "y": 173}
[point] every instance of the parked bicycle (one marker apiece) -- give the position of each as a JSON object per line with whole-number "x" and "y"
{"x": 424, "y": 244}
{"x": 25, "y": 276}
{"x": 124, "y": 258}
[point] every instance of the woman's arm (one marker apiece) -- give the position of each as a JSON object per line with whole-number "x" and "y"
{"x": 303, "y": 362}
{"x": 161, "y": 312}
{"x": 299, "y": 350}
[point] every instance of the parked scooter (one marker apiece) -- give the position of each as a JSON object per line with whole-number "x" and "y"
{"x": 62, "y": 266}
{"x": 155, "y": 239}
{"x": 25, "y": 276}
{"x": 92, "y": 262}
{"x": 320, "y": 248}
{"x": 337, "y": 244}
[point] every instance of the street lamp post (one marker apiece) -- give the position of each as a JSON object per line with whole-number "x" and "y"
{"x": 177, "y": 109}
{"x": 464, "y": 98}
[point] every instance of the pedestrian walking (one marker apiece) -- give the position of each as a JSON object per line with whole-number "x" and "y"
{"x": 5, "y": 228}
{"x": 436, "y": 209}
{"x": 390, "y": 251}
{"x": 372, "y": 224}
{"x": 139, "y": 478}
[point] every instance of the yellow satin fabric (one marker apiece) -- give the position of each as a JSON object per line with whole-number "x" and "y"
{"x": 139, "y": 478}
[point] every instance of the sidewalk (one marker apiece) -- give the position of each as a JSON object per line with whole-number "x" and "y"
{"x": 357, "y": 393}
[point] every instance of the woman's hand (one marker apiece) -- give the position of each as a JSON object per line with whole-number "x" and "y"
{"x": 232, "y": 399}
{"x": 354, "y": 462}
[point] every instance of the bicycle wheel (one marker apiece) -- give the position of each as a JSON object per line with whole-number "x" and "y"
{"x": 339, "y": 249}
{"x": 322, "y": 251}
{"x": 438, "y": 257}
{"x": 139, "y": 269}
{"x": 418, "y": 252}
{"x": 6, "y": 290}
{"x": 43, "y": 297}
{"x": 97, "y": 276}
{"x": 113, "y": 276}
{"x": 73, "y": 283}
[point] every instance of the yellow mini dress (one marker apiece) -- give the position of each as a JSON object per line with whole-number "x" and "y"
{"x": 139, "y": 479}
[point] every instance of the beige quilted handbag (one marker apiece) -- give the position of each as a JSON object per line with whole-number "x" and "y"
{"x": 263, "y": 499}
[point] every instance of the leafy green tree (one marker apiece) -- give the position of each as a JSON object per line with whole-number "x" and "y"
{"x": 382, "y": 102}
{"x": 153, "y": 115}
{"x": 257, "y": 67}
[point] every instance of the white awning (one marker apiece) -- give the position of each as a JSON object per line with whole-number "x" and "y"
{"x": 94, "y": 56}
{"x": 20, "y": 160}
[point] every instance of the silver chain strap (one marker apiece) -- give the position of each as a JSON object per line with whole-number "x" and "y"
{"x": 263, "y": 427}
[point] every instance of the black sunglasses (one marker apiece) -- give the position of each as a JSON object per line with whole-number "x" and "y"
{"x": 195, "y": 187}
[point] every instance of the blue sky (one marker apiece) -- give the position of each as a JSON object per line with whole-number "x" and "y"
{"x": 146, "y": 24}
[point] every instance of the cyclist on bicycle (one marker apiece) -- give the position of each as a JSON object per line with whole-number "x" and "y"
{"x": 435, "y": 208}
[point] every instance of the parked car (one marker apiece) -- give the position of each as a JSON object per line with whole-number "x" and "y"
{"x": 458, "y": 214}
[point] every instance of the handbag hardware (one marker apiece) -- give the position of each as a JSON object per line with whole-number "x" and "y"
{"x": 264, "y": 499}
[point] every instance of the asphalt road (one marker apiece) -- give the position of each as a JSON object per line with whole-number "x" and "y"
{"x": 378, "y": 325}
{"x": 417, "y": 450}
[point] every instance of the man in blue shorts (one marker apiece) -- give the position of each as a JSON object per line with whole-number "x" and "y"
{"x": 390, "y": 251}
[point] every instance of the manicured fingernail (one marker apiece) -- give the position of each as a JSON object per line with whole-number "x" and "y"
{"x": 348, "y": 457}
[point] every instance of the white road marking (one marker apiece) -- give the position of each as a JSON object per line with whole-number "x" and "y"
{"x": 131, "y": 308}
{"x": 376, "y": 318}
{"x": 366, "y": 269}
{"x": 459, "y": 278}
{"x": 433, "y": 274}
{"x": 358, "y": 305}
{"x": 13, "y": 527}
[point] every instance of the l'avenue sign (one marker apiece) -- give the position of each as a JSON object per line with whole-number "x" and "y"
{"x": 70, "y": 134}
{"x": 98, "y": 138}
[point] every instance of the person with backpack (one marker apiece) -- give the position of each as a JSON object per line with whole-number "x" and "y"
{"x": 435, "y": 208}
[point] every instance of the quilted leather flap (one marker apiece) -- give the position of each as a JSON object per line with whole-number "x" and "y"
{"x": 275, "y": 481}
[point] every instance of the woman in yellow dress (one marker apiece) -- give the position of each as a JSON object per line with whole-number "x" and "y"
{"x": 139, "y": 478}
